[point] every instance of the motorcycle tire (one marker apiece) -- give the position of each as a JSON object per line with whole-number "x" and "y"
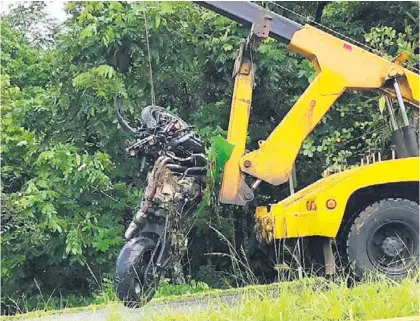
{"x": 135, "y": 285}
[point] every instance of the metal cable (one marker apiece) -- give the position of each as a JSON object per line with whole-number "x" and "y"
{"x": 325, "y": 27}
{"x": 152, "y": 87}
{"x": 307, "y": 19}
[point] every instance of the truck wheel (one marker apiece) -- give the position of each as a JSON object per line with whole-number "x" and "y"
{"x": 385, "y": 238}
{"x": 134, "y": 278}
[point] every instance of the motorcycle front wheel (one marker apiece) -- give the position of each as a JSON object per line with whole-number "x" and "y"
{"x": 136, "y": 278}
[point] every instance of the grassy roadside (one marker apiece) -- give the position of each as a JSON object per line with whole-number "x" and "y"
{"x": 307, "y": 299}
{"x": 160, "y": 299}
{"x": 103, "y": 298}
{"x": 310, "y": 301}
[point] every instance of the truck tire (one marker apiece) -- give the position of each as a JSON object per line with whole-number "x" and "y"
{"x": 385, "y": 238}
{"x": 133, "y": 283}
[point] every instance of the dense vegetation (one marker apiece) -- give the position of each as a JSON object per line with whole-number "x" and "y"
{"x": 68, "y": 189}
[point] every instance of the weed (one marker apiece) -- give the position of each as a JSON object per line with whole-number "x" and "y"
{"x": 115, "y": 316}
{"x": 308, "y": 301}
{"x": 166, "y": 289}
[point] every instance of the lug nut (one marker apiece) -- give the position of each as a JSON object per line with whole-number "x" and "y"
{"x": 248, "y": 196}
{"x": 247, "y": 163}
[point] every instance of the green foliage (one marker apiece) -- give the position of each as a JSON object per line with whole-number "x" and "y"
{"x": 102, "y": 79}
{"x": 68, "y": 189}
{"x": 166, "y": 289}
{"x": 390, "y": 44}
{"x": 31, "y": 21}
{"x": 56, "y": 216}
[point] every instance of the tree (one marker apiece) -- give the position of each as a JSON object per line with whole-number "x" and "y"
{"x": 33, "y": 22}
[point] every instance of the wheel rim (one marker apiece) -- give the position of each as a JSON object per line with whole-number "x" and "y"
{"x": 393, "y": 247}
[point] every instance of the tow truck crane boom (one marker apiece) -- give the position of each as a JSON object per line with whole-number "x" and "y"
{"x": 339, "y": 65}
{"x": 247, "y": 13}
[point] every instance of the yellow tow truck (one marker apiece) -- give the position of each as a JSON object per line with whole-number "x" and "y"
{"x": 372, "y": 209}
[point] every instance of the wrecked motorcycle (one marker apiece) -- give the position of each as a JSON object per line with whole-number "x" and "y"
{"x": 157, "y": 233}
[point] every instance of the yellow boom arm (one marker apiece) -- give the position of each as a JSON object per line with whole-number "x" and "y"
{"x": 340, "y": 66}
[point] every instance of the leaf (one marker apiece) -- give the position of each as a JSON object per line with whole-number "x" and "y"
{"x": 31, "y": 188}
{"x": 227, "y": 47}
{"x": 157, "y": 22}
{"x": 116, "y": 5}
{"x": 381, "y": 104}
{"x": 167, "y": 7}
{"x": 89, "y": 31}
{"x": 45, "y": 156}
{"x": 22, "y": 143}
{"x": 43, "y": 183}
{"x": 105, "y": 71}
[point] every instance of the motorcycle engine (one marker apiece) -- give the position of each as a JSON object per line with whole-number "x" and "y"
{"x": 176, "y": 180}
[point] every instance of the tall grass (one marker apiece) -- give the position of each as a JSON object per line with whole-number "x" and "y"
{"x": 312, "y": 299}
{"x": 377, "y": 297}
